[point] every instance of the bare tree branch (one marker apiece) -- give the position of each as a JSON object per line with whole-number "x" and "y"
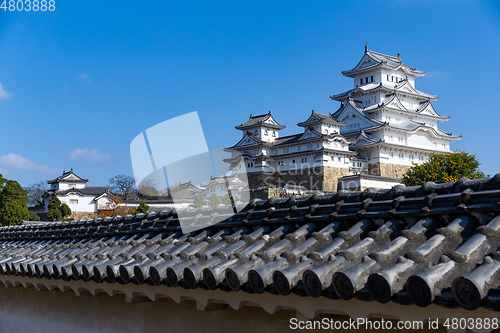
{"x": 35, "y": 193}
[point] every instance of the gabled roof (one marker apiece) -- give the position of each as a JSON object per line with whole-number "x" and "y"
{"x": 86, "y": 191}
{"x": 364, "y": 88}
{"x": 394, "y": 103}
{"x": 364, "y": 138}
{"x": 68, "y": 177}
{"x": 187, "y": 186}
{"x": 403, "y": 87}
{"x": 261, "y": 120}
{"x": 359, "y": 111}
{"x": 413, "y": 126}
{"x": 426, "y": 109}
{"x": 310, "y": 133}
{"x": 232, "y": 179}
{"x": 248, "y": 140}
{"x": 372, "y": 60}
{"x": 319, "y": 118}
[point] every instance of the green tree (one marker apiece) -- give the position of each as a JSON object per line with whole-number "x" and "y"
{"x": 143, "y": 208}
{"x": 13, "y": 202}
{"x": 214, "y": 200}
{"x": 54, "y": 215}
{"x": 444, "y": 168}
{"x": 199, "y": 201}
{"x": 57, "y": 211}
{"x": 65, "y": 210}
{"x": 34, "y": 217}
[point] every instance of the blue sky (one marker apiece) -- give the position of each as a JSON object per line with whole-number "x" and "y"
{"x": 79, "y": 83}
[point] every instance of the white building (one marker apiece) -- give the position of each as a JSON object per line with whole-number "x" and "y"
{"x": 389, "y": 121}
{"x": 70, "y": 189}
{"x": 235, "y": 184}
{"x": 383, "y": 126}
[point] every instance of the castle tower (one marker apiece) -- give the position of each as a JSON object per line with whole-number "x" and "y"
{"x": 313, "y": 160}
{"x": 389, "y": 121}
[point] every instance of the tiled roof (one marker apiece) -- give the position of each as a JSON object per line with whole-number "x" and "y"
{"x": 261, "y": 120}
{"x": 435, "y": 243}
{"x": 316, "y": 118}
{"x": 380, "y": 59}
{"x": 87, "y": 190}
{"x": 73, "y": 178}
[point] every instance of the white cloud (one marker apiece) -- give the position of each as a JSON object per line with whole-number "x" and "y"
{"x": 89, "y": 155}
{"x": 4, "y": 94}
{"x": 85, "y": 78}
{"x": 15, "y": 161}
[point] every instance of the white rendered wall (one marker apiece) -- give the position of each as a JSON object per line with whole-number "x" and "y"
{"x": 363, "y": 183}
{"x": 85, "y": 204}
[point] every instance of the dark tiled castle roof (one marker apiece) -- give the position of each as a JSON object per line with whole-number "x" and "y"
{"x": 435, "y": 243}
{"x": 261, "y": 120}
{"x": 70, "y": 177}
{"x": 88, "y": 190}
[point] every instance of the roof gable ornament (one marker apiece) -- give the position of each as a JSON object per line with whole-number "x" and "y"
{"x": 68, "y": 176}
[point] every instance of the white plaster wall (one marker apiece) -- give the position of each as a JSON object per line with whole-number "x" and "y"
{"x": 102, "y": 202}
{"x": 28, "y": 310}
{"x": 421, "y": 140}
{"x": 65, "y": 186}
{"x": 85, "y": 204}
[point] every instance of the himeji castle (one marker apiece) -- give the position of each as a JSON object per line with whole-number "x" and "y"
{"x": 383, "y": 126}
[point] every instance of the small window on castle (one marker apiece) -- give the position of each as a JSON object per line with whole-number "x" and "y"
{"x": 256, "y": 132}
{"x": 361, "y": 81}
{"x": 340, "y": 159}
{"x": 274, "y": 134}
{"x": 293, "y": 161}
{"x": 366, "y": 79}
{"x": 371, "y": 79}
{"x": 388, "y": 78}
{"x": 72, "y": 185}
{"x": 392, "y": 78}
{"x": 354, "y": 164}
{"x": 265, "y": 132}
{"x": 73, "y": 201}
{"x": 326, "y": 131}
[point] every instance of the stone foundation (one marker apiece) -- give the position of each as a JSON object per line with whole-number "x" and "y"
{"x": 83, "y": 215}
{"x": 331, "y": 176}
{"x": 317, "y": 178}
{"x": 387, "y": 170}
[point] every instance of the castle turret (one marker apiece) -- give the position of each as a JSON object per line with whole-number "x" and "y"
{"x": 264, "y": 127}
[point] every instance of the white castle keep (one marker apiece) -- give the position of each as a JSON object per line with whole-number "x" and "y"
{"x": 383, "y": 126}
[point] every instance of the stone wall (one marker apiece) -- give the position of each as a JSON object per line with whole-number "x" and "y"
{"x": 83, "y": 215}
{"x": 331, "y": 176}
{"x": 315, "y": 178}
{"x": 387, "y": 170}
